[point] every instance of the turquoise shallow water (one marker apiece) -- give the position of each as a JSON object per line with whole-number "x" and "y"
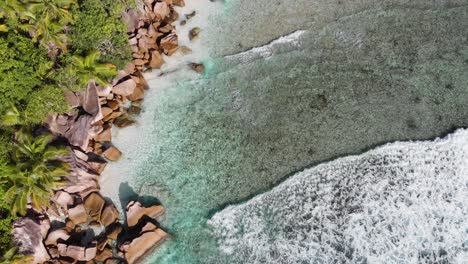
{"x": 367, "y": 74}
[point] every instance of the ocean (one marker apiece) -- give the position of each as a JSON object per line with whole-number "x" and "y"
{"x": 250, "y": 158}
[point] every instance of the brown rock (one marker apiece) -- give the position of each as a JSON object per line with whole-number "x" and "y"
{"x": 131, "y": 19}
{"x": 134, "y": 110}
{"x": 113, "y": 261}
{"x": 78, "y": 214}
{"x": 166, "y": 28}
{"x": 63, "y": 199}
{"x": 72, "y": 99}
{"x": 113, "y": 231}
{"x": 178, "y": 3}
{"x": 94, "y": 203}
{"x": 140, "y": 62}
{"x": 137, "y": 94}
{"x": 194, "y": 32}
{"x": 185, "y": 50}
{"x": 97, "y": 166}
{"x": 169, "y": 44}
{"x": 109, "y": 215}
{"x": 161, "y": 9}
{"x": 105, "y": 136}
{"x": 90, "y": 101}
{"x": 143, "y": 244}
{"x": 56, "y": 236}
{"x": 103, "y": 91}
{"x": 106, "y": 111}
{"x": 156, "y": 60}
{"x": 112, "y": 153}
{"x": 104, "y": 255}
{"x": 138, "y": 55}
{"x": 135, "y": 211}
{"x": 189, "y": 16}
{"x": 114, "y": 115}
{"x": 124, "y": 88}
{"x": 140, "y": 80}
{"x": 112, "y": 104}
{"x": 77, "y": 252}
{"x": 197, "y": 67}
{"x": 123, "y": 121}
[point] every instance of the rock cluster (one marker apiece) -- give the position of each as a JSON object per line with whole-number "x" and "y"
{"x": 80, "y": 226}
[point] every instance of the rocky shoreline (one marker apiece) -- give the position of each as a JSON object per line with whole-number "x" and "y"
{"x": 80, "y": 225}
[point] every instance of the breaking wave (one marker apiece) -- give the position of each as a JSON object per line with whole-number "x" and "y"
{"x": 400, "y": 203}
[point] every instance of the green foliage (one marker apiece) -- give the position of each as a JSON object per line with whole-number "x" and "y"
{"x": 18, "y": 69}
{"x": 6, "y": 225}
{"x": 23, "y": 72}
{"x": 87, "y": 68}
{"x": 98, "y": 26}
{"x": 33, "y": 172}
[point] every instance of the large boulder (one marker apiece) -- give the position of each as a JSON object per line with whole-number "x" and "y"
{"x": 94, "y": 203}
{"x": 27, "y": 236}
{"x": 156, "y": 60}
{"x": 56, "y": 236}
{"x": 90, "y": 101}
{"x": 112, "y": 153}
{"x": 77, "y": 252}
{"x": 63, "y": 199}
{"x": 109, "y": 215}
{"x": 161, "y": 9}
{"x": 125, "y": 87}
{"x": 169, "y": 44}
{"x": 143, "y": 244}
{"x": 78, "y": 214}
{"x": 135, "y": 211}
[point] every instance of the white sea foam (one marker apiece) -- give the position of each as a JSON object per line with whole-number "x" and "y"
{"x": 400, "y": 203}
{"x": 285, "y": 43}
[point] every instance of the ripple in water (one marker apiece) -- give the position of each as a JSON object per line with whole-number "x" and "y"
{"x": 400, "y": 203}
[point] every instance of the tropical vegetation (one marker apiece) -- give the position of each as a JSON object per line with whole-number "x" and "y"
{"x": 47, "y": 46}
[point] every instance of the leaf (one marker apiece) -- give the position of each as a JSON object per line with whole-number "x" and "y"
{"x": 11, "y": 117}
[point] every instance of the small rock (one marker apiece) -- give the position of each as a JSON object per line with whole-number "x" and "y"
{"x": 198, "y": 67}
{"x": 189, "y": 16}
{"x": 185, "y": 50}
{"x": 194, "y": 32}
{"x": 134, "y": 110}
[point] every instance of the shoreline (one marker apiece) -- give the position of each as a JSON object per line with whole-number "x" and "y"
{"x": 80, "y": 209}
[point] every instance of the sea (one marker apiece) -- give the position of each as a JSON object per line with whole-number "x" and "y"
{"x": 321, "y": 131}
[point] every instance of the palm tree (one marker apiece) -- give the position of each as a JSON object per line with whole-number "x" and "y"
{"x": 34, "y": 173}
{"x": 88, "y": 68}
{"x": 45, "y": 30}
{"x": 11, "y": 9}
{"x": 57, "y": 9}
